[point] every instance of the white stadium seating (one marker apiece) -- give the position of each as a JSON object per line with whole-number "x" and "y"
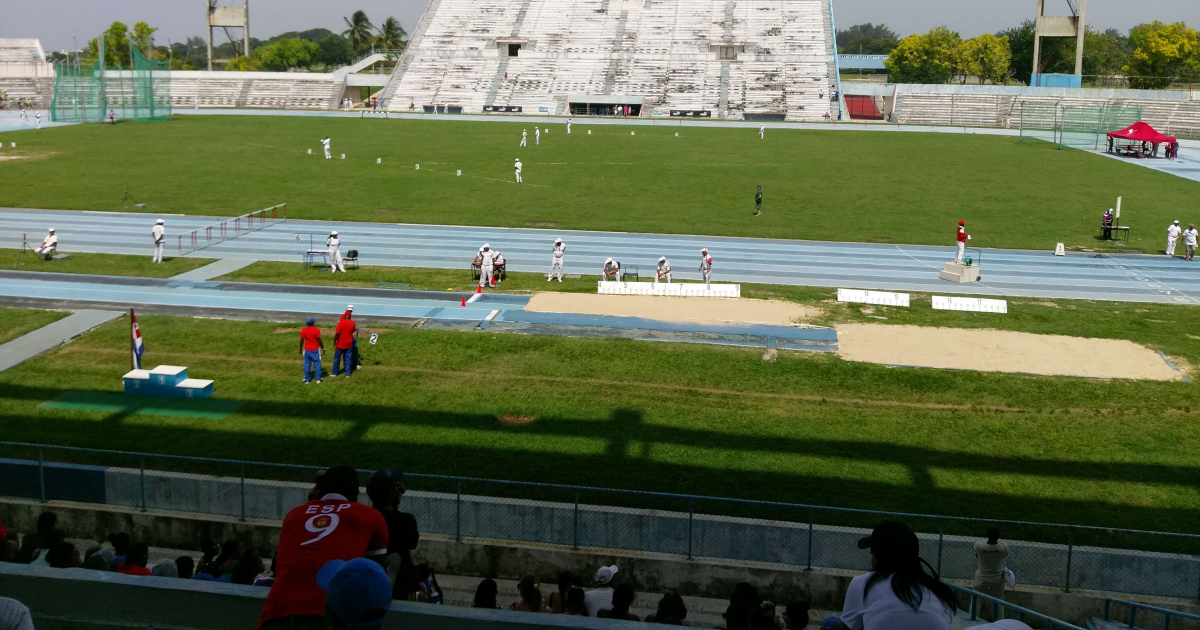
{"x": 663, "y": 54}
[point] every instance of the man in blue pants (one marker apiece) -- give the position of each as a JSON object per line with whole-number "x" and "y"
{"x": 343, "y": 341}
{"x": 311, "y": 348}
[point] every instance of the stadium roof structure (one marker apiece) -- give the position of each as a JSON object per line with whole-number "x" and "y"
{"x": 1141, "y": 131}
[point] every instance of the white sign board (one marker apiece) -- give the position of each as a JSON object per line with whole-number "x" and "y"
{"x": 882, "y": 298}
{"x": 675, "y": 289}
{"x": 975, "y": 305}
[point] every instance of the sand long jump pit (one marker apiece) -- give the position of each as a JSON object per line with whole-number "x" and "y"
{"x": 702, "y": 310}
{"x": 1001, "y": 351}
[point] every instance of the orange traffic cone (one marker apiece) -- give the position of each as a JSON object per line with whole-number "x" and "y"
{"x": 464, "y": 302}
{"x": 479, "y": 289}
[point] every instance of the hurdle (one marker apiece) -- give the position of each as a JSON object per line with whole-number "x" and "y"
{"x": 230, "y": 228}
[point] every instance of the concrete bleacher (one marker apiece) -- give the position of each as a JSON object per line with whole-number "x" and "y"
{"x": 662, "y": 53}
{"x": 24, "y": 72}
{"x": 274, "y": 90}
{"x": 13, "y": 50}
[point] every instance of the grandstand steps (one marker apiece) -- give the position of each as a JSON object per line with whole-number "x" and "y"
{"x": 243, "y": 94}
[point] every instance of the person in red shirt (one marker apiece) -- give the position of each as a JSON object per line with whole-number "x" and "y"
{"x": 311, "y": 348}
{"x": 334, "y": 526}
{"x": 963, "y": 237}
{"x": 343, "y": 342}
{"x": 135, "y": 560}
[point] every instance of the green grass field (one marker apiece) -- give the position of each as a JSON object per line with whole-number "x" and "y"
{"x": 15, "y": 322}
{"x": 825, "y": 185}
{"x": 101, "y": 264}
{"x": 673, "y": 417}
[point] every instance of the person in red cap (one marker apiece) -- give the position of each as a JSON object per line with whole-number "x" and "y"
{"x": 963, "y": 237}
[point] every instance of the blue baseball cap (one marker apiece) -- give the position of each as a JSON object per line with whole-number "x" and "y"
{"x": 310, "y": 321}
{"x": 357, "y": 591}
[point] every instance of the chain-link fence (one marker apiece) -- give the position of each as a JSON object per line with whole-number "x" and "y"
{"x": 1083, "y": 127}
{"x": 578, "y": 517}
{"x": 87, "y": 91}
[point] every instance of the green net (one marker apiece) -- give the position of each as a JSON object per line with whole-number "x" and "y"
{"x": 1039, "y": 122}
{"x": 85, "y": 91}
{"x": 1079, "y": 127}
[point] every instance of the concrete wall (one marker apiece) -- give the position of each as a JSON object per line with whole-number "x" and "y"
{"x": 878, "y": 89}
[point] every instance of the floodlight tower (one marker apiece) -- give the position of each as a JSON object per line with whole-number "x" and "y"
{"x": 226, "y": 18}
{"x": 1073, "y": 25}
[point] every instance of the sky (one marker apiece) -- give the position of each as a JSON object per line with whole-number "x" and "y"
{"x": 70, "y": 23}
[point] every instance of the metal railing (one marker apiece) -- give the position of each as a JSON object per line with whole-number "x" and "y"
{"x": 584, "y": 517}
{"x": 1134, "y": 607}
{"x": 1010, "y": 611}
{"x": 232, "y": 227}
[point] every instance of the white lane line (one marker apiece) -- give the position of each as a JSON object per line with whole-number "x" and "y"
{"x": 491, "y": 315}
{"x": 982, "y": 284}
{"x": 474, "y": 297}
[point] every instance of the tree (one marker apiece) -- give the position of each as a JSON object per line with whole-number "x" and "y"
{"x": 334, "y": 51}
{"x": 1161, "y": 53}
{"x": 1104, "y": 54}
{"x": 359, "y": 31}
{"x": 866, "y": 39}
{"x": 1058, "y": 54}
{"x": 287, "y": 53}
{"x": 391, "y": 34}
{"x": 116, "y": 46}
{"x": 243, "y": 64}
{"x": 929, "y": 58}
{"x": 987, "y": 57}
{"x": 141, "y": 37}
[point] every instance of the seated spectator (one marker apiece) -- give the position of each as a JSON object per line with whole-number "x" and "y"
{"x": 795, "y": 615}
{"x": 671, "y": 610}
{"x": 386, "y": 490}
{"x": 266, "y": 580}
{"x": 186, "y": 567}
{"x": 14, "y": 615}
{"x": 485, "y": 594}
{"x": 556, "y": 601}
{"x": 136, "y": 558}
{"x": 245, "y": 571}
{"x": 209, "y": 570}
{"x": 600, "y": 597}
{"x": 333, "y": 526}
{"x": 743, "y": 600}
{"x": 531, "y": 595}
{"x": 46, "y": 540}
{"x": 622, "y": 601}
{"x": 762, "y": 617}
{"x": 357, "y": 594}
{"x": 8, "y": 548}
{"x": 120, "y": 542}
{"x": 45, "y": 522}
{"x": 63, "y": 555}
{"x": 208, "y": 551}
{"x": 97, "y": 562}
{"x": 576, "y": 605}
{"x": 166, "y": 568}
{"x": 427, "y": 586}
{"x": 902, "y": 595}
{"x": 231, "y": 554}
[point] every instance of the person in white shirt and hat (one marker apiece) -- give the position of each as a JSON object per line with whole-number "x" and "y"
{"x": 159, "y": 232}
{"x": 334, "y": 243}
{"x": 325, "y": 143}
{"x": 537, "y": 135}
{"x": 706, "y": 262}
{"x": 524, "y": 137}
{"x": 486, "y": 260}
{"x": 600, "y": 598}
{"x": 556, "y": 259}
{"x": 49, "y": 245}
{"x": 1173, "y": 232}
{"x": 517, "y": 167}
{"x": 612, "y": 270}
{"x": 663, "y": 271}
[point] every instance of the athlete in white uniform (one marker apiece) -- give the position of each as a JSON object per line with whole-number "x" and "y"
{"x": 159, "y": 232}
{"x": 762, "y": 131}
{"x": 524, "y": 137}
{"x": 664, "y": 270}
{"x": 1173, "y": 232}
{"x": 611, "y": 271}
{"x": 517, "y": 167}
{"x": 706, "y": 265}
{"x": 537, "y": 135}
{"x": 49, "y": 244}
{"x": 556, "y": 260}
{"x": 325, "y": 143}
{"x": 38, "y": 116}
{"x": 568, "y": 125}
{"x": 334, "y": 243}
{"x": 486, "y": 267}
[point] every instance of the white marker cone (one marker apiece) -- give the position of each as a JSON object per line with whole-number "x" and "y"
{"x": 310, "y": 151}
{"x": 379, "y": 160}
{"x": 459, "y": 173}
{"x": 418, "y": 167}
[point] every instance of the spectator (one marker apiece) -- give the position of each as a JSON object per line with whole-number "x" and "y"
{"x": 14, "y": 615}
{"x": 45, "y": 522}
{"x": 485, "y": 594}
{"x": 427, "y": 585}
{"x": 902, "y": 595}
{"x": 46, "y": 540}
{"x": 556, "y": 601}
{"x": 993, "y": 562}
{"x": 166, "y": 568}
{"x": 245, "y": 571}
{"x": 136, "y": 558}
{"x": 385, "y": 489}
{"x": 186, "y": 567}
{"x": 267, "y": 580}
{"x": 357, "y": 594}
{"x": 63, "y": 555}
{"x": 622, "y": 601}
{"x": 743, "y": 599}
{"x": 332, "y": 527}
{"x": 231, "y": 554}
{"x": 795, "y": 615}
{"x": 311, "y": 349}
{"x": 120, "y": 545}
{"x": 97, "y": 562}
{"x": 207, "y": 571}
{"x": 762, "y": 617}
{"x": 531, "y": 595}
{"x": 8, "y": 549}
{"x": 671, "y": 610}
{"x": 576, "y": 602}
{"x": 600, "y": 597}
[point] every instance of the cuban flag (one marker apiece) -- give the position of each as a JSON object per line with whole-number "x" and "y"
{"x": 136, "y": 341}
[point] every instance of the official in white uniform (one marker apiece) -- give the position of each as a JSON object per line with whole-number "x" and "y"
{"x": 611, "y": 271}
{"x": 706, "y": 265}
{"x": 38, "y": 116}
{"x": 1173, "y": 232}
{"x": 664, "y": 271}
{"x": 486, "y": 266}
{"x": 537, "y": 135}
{"x": 325, "y": 143}
{"x": 762, "y": 131}
{"x": 497, "y": 266}
{"x": 556, "y": 260}
{"x": 334, "y": 243}
{"x": 159, "y": 232}
{"x": 517, "y": 168}
{"x": 49, "y": 244}
{"x": 568, "y": 125}
{"x": 524, "y": 137}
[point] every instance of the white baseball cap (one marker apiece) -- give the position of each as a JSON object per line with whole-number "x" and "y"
{"x": 604, "y": 575}
{"x": 349, "y": 307}
{"x": 704, "y": 250}
{"x": 1176, "y": 221}
{"x": 662, "y": 259}
{"x": 159, "y": 222}
{"x": 333, "y": 233}
{"x": 607, "y": 260}
{"x": 558, "y": 240}
{"x": 486, "y": 246}
{"x": 51, "y": 229}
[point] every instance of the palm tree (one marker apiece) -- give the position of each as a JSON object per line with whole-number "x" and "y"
{"x": 359, "y": 32}
{"x": 391, "y": 34}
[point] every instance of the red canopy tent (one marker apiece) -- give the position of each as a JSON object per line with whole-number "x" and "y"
{"x": 1141, "y": 132}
